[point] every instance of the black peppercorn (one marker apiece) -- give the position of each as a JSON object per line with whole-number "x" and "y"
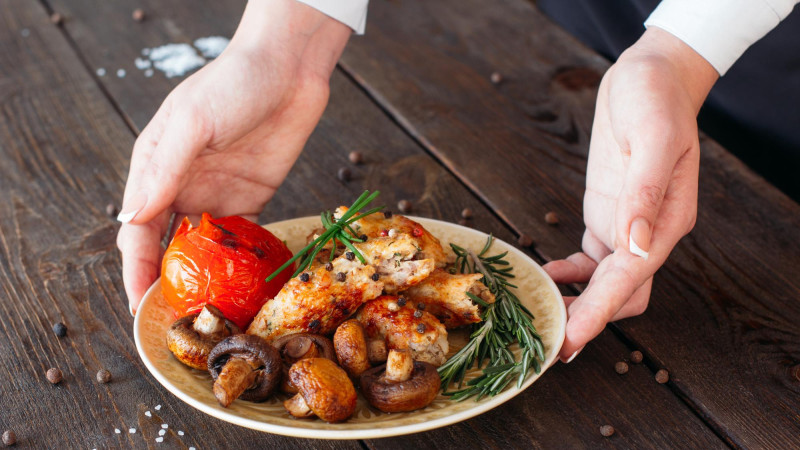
{"x": 417, "y": 314}
{"x": 525, "y": 241}
{"x": 363, "y": 237}
{"x": 387, "y": 214}
{"x": 304, "y": 277}
{"x": 402, "y": 301}
{"x": 54, "y": 375}
{"x": 328, "y": 266}
{"x": 466, "y": 213}
{"x": 341, "y": 276}
{"x": 103, "y": 376}
{"x": 421, "y": 306}
{"x": 60, "y": 329}
{"x": 314, "y": 324}
{"x": 9, "y": 438}
{"x": 350, "y": 256}
{"x": 421, "y": 328}
{"x": 344, "y": 174}
{"x": 621, "y": 367}
{"x": 607, "y": 430}
{"x": 355, "y": 157}
{"x": 404, "y": 206}
{"x": 376, "y": 276}
{"x": 636, "y": 357}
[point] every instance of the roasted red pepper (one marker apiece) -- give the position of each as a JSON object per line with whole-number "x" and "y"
{"x": 224, "y": 262}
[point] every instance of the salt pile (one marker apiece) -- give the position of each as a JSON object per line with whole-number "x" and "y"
{"x": 211, "y": 46}
{"x": 176, "y": 60}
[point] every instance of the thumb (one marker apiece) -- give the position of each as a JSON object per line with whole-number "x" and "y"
{"x": 639, "y": 203}
{"x": 159, "y": 166}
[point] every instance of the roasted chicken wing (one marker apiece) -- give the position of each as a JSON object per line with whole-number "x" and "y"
{"x": 403, "y": 326}
{"x": 444, "y": 296}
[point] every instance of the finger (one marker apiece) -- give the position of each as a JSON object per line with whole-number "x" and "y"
{"x": 140, "y": 246}
{"x": 646, "y": 181}
{"x": 637, "y": 304}
{"x": 594, "y": 247}
{"x": 577, "y": 268}
{"x": 613, "y": 283}
{"x": 155, "y": 183}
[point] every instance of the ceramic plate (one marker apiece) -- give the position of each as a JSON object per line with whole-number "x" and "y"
{"x": 536, "y": 290}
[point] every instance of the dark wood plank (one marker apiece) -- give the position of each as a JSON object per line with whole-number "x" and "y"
{"x": 731, "y": 285}
{"x": 400, "y": 168}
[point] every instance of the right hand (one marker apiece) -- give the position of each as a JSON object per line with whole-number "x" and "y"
{"x": 225, "y": 138}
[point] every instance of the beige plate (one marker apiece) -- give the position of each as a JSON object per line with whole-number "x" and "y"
{"x": 536, "y": 290}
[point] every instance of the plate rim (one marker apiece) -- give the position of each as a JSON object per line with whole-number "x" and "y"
{"x": 371, "y": 433}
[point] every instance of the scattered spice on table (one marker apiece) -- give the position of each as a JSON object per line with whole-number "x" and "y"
{"x": 158, "y": 407}
{"x": 148, "y": 414}
{"x": 621, "y": 367}
{"x": 607, "y": 430}
{"x": 466, "y": 213}
{"x": 162, "y": 432}
{"x": 138, "y": 14}
{"x": 117, "y": 431}
{"x": 103, "y": 376}
{"x": 636, "y": 356}
{"x": 344, "y": 174}
{"x": 132, "y": 430}
{"x": 60, "y": 329}
{"x": 524, "y": 240}
{"x": 662, "y": 376}
{"x": 355, "y": 157}
{"x": 404, "y": 206}
{"x": 54, "y": 375}
{"x": 496, "y": 78}
{"x": 111, "y": 210}
{"x": 9, "y": 438}
{"x": 56, "y": 18}
{"x": 551, "y": 218}
{"x": 160, "y": 439}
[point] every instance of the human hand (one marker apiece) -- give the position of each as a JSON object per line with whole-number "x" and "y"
{"x": 641, "y": 182}
{"x": 225, "y": 138}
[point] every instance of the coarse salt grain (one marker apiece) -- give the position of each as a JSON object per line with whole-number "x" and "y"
{"x": 162, "y": 432}
{"x": 116, "y": 430}
{"x": 158, "y": 407}
{"x": 101, "y": 72}
{"x": 180, "y": 433}
{"x": 159, "y": 439}
{"x": 142, "y": 63}
{"x": 132, "y": 430}
{"x": 175, "y": 59}
{"x": 121, "y": 73}
{"x": 148, "y": 414}
{"x": 192, "y": 448}
{"x": 164, "y": 426}
{"x": 211, "y": 46}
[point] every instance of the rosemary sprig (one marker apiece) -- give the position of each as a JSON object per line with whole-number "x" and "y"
{"x": 336, "y": 231}
{"x": 504, "y": 322}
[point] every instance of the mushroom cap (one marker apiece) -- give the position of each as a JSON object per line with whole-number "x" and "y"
{"x": 257, "y": 351}
{"x": 325, "y": 387}
{"x": 190, "y": 347}
{"x": 350, "y": 343}
{"x": 324, "y": 349}
{"x": 415, "y": 393}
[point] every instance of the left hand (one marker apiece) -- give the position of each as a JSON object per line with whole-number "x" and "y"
{"x": 641, "y": 182}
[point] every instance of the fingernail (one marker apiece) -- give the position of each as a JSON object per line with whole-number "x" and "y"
{"x": 132, "y": 207}
{"x": 639, "y": 238}
{"x": 569, "y": 360}
{"x": 133, "y": 312}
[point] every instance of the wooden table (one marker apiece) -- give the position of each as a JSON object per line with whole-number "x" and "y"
{"x": 415, "y": 97}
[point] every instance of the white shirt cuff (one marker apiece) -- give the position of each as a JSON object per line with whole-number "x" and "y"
{"x": 719, "y": 30}
{"x": 352, "y": 13}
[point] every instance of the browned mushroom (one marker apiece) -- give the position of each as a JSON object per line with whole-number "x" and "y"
{"x": 351, "y": 348}
{"x": 402, "y": 384}
{"x": 192, "y": 337}
{"x": 377, "y": 351}
{"x": 324, "y": 390}
{"x": 244, "y": 366}
{"x": 294, "y": 347}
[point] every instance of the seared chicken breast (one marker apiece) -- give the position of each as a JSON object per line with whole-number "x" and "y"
{"x": 394, "y": 260}
{"x": 320, "y": 304}
{"x": 402, "y": 326}
{"x": 444, "y": 295}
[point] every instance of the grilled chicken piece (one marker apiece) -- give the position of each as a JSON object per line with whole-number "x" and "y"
{"x": 394, "y": 260}
{"x": 385, "y": 318}
{"x": 444, "y": 296}
{"x": 378, "y": 225}
{"x": 320, "y": 304}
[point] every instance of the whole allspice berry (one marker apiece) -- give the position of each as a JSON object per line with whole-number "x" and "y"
{"x": 524, "y": 240}
{"x": 355, "y": 157}
{"x": 551, "y": 218}
{"x": 103, "y": 376}
{"x": 54, "y": 375}
{"x": 138, "y": 14}
{"x": 344, "y": 174}
{"x": 636, "y": 357}
{"x": 607, "y": 430}
{"x": 496, "y": 78}
{"x": 621, "y": 367}
{"x": 662, "y": 376}
{"x": 466, "y": 213}
{"x": 404, "y": 206}
{"x": 111, "y": 210}
{"x": 56, "y": 18}
{"x": 9, "y": 438}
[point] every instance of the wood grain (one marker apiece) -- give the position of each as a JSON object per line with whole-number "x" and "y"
{"x": 723, "y": 316}
{"x": 572, "y": 401}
